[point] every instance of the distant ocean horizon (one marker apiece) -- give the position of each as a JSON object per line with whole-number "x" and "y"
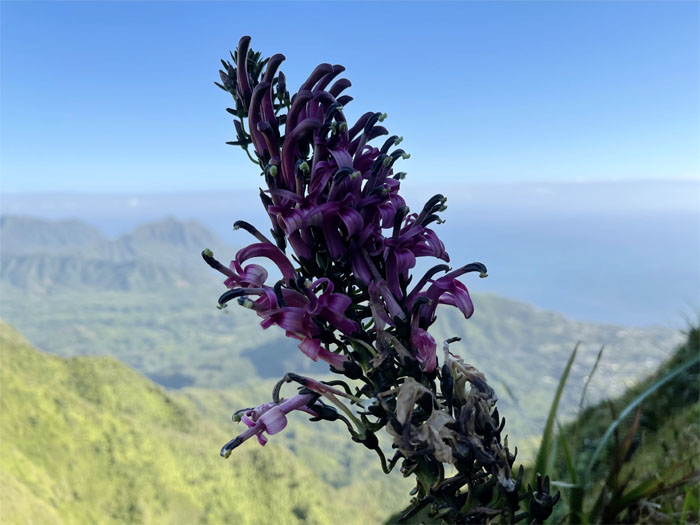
{"x": 617, "y": 253}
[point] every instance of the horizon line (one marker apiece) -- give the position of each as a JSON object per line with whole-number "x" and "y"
{"x": 680, "y": 180}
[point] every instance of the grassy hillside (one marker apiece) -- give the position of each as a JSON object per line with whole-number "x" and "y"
{"x": 88, "y": 440}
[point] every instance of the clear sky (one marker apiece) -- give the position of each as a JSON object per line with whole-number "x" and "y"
{"x": 119, "y": 96}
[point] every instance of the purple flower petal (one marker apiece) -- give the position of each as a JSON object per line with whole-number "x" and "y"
{"x": 289, "y": 318}
{"x": 342, "y": 158}
{"x": 311, "y": 347}
{"x": 335, "y": 360}
{"x": 359, "y": 266}
{"x": 271, "y": 252}
{"x": 274, "y": 420}
{"x": 425, "y": 347}
{"x": 253, "y": 275}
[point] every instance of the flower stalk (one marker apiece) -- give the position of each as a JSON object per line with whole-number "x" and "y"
{"x": 345, "y": 244}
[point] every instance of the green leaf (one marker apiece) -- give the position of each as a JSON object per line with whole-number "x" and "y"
{"x": 588, "y": 381}
{"x": 576, "y": 490}
{"x": 548, "y": 434}
{"x": 629, "y": 408}
{"x": 690, "y": 504}
{"x": 573, "y": 476}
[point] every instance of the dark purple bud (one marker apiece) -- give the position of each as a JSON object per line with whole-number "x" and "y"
{"x": 345, "y": 99}
{"x": 339, "y": 86}
{"x": 315, "y": 76}
{"x": 244, "y": 91}
{"x": 208, "y": 257}
{"x": 252, "y": 230}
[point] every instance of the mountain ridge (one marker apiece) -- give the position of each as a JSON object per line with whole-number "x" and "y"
{"x": 42, "y": 256}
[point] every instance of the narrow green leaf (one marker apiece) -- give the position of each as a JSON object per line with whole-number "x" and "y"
{"x": 588, "y": 380}
{"x": 573, "y": 476}
{"x": 690, "y": 504}
{"x": 576, "y": 490}
{"x": 644, "y": 489}
{"x": 548, "y": 433}
{"x": 629, "y": 408}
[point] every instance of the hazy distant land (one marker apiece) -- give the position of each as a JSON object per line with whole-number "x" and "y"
{"x": 616, "y": 252}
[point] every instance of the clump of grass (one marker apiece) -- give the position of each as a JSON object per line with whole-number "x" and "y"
{"x": 633, "y": 459}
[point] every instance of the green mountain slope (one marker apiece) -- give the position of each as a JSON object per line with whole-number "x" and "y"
{"x": 661, "y": 465}
{"x": 88, "y": 440}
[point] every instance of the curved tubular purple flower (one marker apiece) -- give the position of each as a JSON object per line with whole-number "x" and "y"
{"x": 268, "y": 111}
{"x": 271, "y": 252}
{"x": 332, "y": 307}
{"x": 270, "y": 418}
{"x": 425, "y": 349}
{"x": 244, "y": 90}
{"x": 448, "y": 290}
{"x": 311, "y": 346}
{"x": 291, "y": 145}
{"x": 252, "y": 275}
{"x": 326, "y": 79}
{"x": 316, "y": 75}
{"x": 298, "y": 104}
{"x": 254, "y": 119}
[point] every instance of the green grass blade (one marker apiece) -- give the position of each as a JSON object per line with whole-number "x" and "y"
{"x": 548, "y": 433}
{"x": 588, "y": 380}
{"x": 629, "y": 408}
{"x": 575, "y": 490}
{"x": 690, "y": 504}
{"x": 571, "y": 469}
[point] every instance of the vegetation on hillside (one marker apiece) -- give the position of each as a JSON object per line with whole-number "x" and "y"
{"x": 87, "y": 440}
{"x": 635, "y": 458}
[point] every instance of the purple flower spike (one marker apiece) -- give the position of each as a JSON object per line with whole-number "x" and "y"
{"x": 345, "y": 244}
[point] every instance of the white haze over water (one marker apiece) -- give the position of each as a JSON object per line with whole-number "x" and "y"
{"x": 615, "y": 252}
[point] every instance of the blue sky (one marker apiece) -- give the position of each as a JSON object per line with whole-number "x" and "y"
{"x": 119, "y": 96}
